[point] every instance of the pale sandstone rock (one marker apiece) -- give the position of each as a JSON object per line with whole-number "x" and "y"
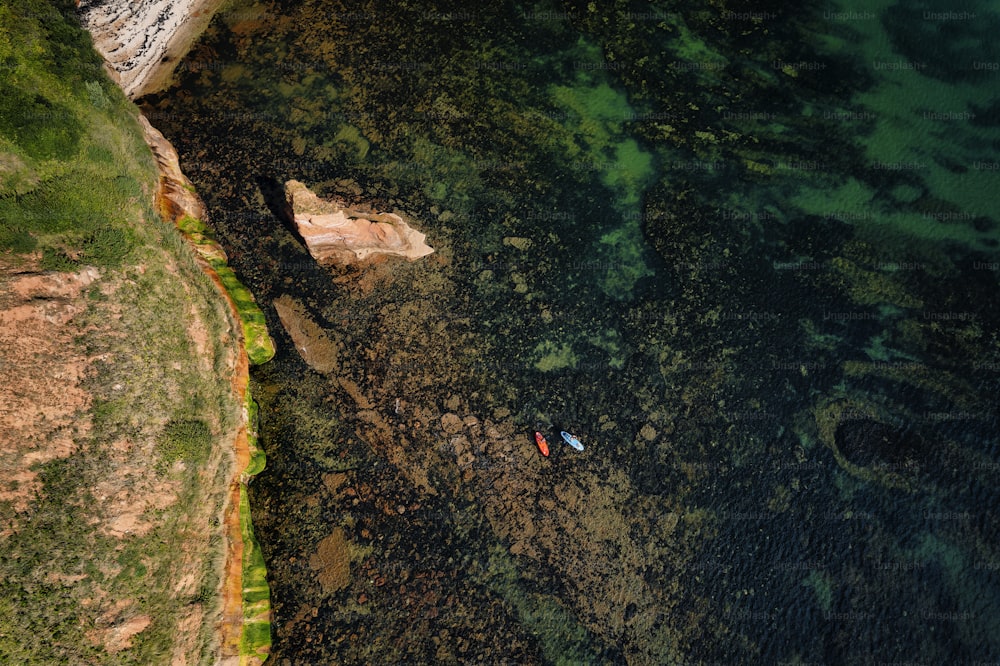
{"x": 143, "y": 40}
{"x": 339, "y": 235}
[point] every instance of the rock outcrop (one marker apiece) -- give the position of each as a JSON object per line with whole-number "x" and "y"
{"x": 177, "y": 197}
{"x": 143, "y": 40}
{"x": 338, "y": 235}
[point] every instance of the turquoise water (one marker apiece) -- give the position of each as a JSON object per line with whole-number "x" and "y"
{"x": 749, "y": 257}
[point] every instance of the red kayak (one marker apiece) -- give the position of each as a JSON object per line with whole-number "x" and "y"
{"x": 543, "y": 446}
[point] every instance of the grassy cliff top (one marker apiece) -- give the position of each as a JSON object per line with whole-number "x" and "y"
{"x": 118, "y": 410}
{"x": 75, "y": 173}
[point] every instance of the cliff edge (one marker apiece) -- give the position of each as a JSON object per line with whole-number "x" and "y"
{"x": 127, "y": 433}
{"x": 116, "y": 404}
{"x": 244, "y": 626}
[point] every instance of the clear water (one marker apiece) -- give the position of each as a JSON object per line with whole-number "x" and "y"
{"x": 749, "y": 259}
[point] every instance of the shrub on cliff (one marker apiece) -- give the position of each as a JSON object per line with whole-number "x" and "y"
{"x": 188, "y": 440}
{"x": 15, "y": 239}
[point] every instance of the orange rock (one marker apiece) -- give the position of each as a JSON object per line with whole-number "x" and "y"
{"x": 338, "y": 235}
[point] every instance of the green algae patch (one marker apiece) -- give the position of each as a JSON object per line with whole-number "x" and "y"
{"x": 868, "y": 287}
{"x": 562, "y": 638}
{"x": 610, "y": 340}
{"x": 255, "y": 639}
{"x": 623, "y": 257}
{"x": 552, "y": 356}
{"x": 822, "y": 586}
{"x": 633, "y": 170}
{"x": 594, "y": 139}
{"x": 259, "y": 345}
{"x": 257, "y": 458}
{"x": 351, "y": 139}
{"x": 255, "y": 635}
{"x": 596, "y": 114}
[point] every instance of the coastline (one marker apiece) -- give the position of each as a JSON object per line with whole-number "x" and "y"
{"x": 142, "y": 61}
{"x": 244, "y": 629}
{"x": 796, "y": 376}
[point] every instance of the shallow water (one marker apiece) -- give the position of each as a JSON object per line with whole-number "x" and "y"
{"x": 750, "y": 260}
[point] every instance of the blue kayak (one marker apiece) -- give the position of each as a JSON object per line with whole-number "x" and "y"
{"x": 572, "y": 440}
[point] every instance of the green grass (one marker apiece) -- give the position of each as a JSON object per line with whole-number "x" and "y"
{"x": 76, "y": 184}
{"x": 149, "y": 387}
{"x": 15, "y": 238}
{"x": 73, "y": 166}
{"x": 30, "y": 631}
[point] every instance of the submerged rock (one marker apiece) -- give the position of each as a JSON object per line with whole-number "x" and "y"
{"x": 314, "y": 346}
{"x": 331, "y": 562}
{"x": 338, "y": 235}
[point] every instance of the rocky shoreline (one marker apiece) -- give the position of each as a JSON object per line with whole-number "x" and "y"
{"x": 178, "y": 203}
{"x": 713, "y": 405}
{"x": 142, "y": 41}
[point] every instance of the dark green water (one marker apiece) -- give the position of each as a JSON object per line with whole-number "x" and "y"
{"x": 749, "y": 256}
